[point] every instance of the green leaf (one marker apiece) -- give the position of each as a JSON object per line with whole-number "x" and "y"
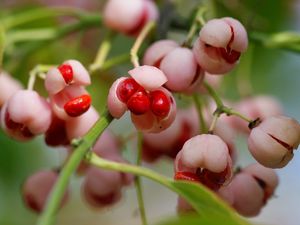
{"x": 205, "y": 202}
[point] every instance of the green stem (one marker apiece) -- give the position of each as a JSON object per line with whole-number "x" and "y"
{"x": 137, "y": 181}
{"x": 39, "y": 14}
{"x": 199, "y": 106}
{"x": 38, "y": 70}
{"x": 2, "y": 44}
{"x": 198, "y": 20}
{"x": 214, "y": 122}
{"x": 102, "y": 52}
{"x": 214, "y": 95}
{"x": 127, "y": 168}
{"x": 36, "y": 34}
{"x": 229, "y": 111}
{"x": 138, "y": 42}
{"x": 54, "y": 200}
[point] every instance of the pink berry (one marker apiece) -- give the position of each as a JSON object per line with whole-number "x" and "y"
{"x": 8, "y": 86}
{"x": 139, "y": 102}
{"x": 71, "y": 71}
{"x": 157, "y": 51}
{"x": 37, "y": 188}
{"x": 220, "y": 44}
{"x": 25, "y": 115}
{"x": 101, "y": 188}
{"x": 206, "y": 156}
{"x": 132, "y": 15}
{"x": 127, "y": 88}
{"x": 272, "y": 142}
{"x": 247, "y": 195}
{"x": 181, "y": 69}
{"x": 266, "y": 178}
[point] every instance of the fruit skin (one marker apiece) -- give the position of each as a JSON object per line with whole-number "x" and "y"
{"x": 37, "y": 188}
{"x": 8, "y": 87}
{"x": 207, "y": 156}
{"x": 219, "y": 45}
{"x": 132, "y": 15}
{"x": 25, "y": 115}
{"x": 272, "y": 142}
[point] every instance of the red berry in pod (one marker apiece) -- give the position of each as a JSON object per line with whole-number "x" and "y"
{"x": 78, "y": 105}
{"x": 139, "y": 103}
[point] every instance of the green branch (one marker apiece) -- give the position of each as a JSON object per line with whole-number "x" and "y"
{"x": 85, "y": 144}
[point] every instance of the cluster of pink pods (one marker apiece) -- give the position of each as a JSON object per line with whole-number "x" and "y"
{"x": 147, "y": 94}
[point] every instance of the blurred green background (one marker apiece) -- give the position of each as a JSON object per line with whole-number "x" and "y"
{"x": 273, "y": 72}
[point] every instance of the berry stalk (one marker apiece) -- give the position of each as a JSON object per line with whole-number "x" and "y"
{"x": 137, "y": 181}
{"x": 139, "y": 41}
{"x": 85, "y": 144}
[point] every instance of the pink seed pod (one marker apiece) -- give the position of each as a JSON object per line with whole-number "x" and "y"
{"x": 220, "y": 44}
{"x": 272, "y": 142}
{"x": 37, "y": 188}
{"x": 157, "y": 51}
{"x": 266, "y": 178}
{"x": 149, "y": 77}
{"x": 71, "y": 102}
{"x": 261, "y": 106}
{"x": 132, "y": 15}
{"x": 247, "y": 194}
{"x": 181, "y": 69}
{"x": 150, "y": 121}
{"x": 25, "y": 115}
{"x": 79, "y": 126}
{"x": 8, "y": 87}
{"x": 70, "y": 72}
{"x": 115, "y": 105}
{"x": 207, "y": 156}
{"x": 101, "y": 188}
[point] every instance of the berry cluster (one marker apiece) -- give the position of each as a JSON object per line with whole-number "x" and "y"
{"x": 208, "y": 157}
{"x": 152, "y": 107}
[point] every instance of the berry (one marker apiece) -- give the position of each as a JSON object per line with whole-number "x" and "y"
{"x": 272, "y": 142}
{"x": 160, "y": 104}
{"x": 220, "y": 44}
{"x": 139, "y": 102}
{"x": 189, "y": 176}
{"x": 37, "y": 188}
{"x": 77, "y": 106}
{"x": 127, "y": 88}
{"x": 67, "y": 72}
{"x": 8, "y": 87}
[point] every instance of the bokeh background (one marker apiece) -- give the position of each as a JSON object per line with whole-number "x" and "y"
{"x": 273, "y": 72}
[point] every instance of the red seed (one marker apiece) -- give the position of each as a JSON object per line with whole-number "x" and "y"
{"x": 78, "y": 106}
{"x": 160, "y": 104}
{"x": 189, "y": 176}
{"x": 67, "y": 72}
{"x": 139, "y": 102}
{"x": 126, "y": 89}
{"x": 214, "y": 180}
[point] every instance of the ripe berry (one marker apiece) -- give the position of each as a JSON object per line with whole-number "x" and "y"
{"x": 272, "y": 142}
{"x": 220, "y": 44}
{"x": 160, "y": 104}
{"x": 189, "y": 176}
{"x": 139, "y": 103}
{"x": 67, "y": 72}
{"x": 126, "y": 89}
{"x": 78, "y": 105}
